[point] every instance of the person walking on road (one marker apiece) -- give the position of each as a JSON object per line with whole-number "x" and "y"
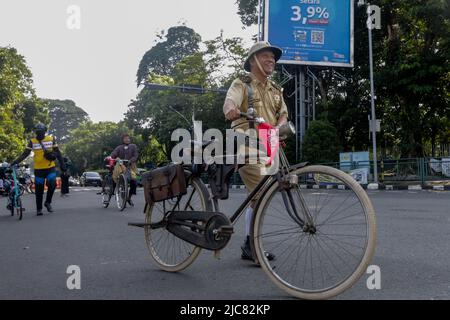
{"x": 46, "y": 152}
{"x": 65, "y": 177}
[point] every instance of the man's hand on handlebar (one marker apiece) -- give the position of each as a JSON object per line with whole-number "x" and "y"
{"x": 233, "y": 114}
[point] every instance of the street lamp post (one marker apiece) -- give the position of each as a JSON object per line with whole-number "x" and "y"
{"x": 373, "y": 22}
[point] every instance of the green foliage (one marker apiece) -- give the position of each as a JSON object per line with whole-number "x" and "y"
{"x": 33, "y": 111}
{"x": 224, "y": 59}
{"x": 11, "y": 135}
{"x": 321, "y": 143}
{"x": 65, "y": 116}
{"x": 16, "y": 84}
{"x": 412, "y": 78}
{"x": 156, "y": 114}
{"x": 247, "y": 10}
{"x": 179, "y": 42}
{"x": 92, "y": 142}
{"x": 19, "y": 106}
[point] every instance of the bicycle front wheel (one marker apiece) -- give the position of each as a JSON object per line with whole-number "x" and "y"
{"x": 321, "y": 231}
{"x": 107, "y": 191}
{"x": 170, "y": 253}
{"x": 121, "y": 192}
{"x": 10, "y": 205}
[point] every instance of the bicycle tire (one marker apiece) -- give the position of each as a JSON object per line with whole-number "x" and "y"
{"x": 121, "y": 192}
{"x": 11, "y": 206}
{"x": 19, "y": 208}
{"x": 151, "y": 234}
{"x": 107, "y": 191}
{"x": 274, "y": 269}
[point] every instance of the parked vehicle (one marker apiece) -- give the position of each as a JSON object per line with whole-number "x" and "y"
{"x": 91, "y": 178}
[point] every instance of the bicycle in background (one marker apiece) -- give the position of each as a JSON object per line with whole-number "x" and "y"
{"x": 14, "y": 196}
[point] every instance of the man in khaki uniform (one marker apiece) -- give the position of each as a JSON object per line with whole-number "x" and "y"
{"x": 268, "y": 104}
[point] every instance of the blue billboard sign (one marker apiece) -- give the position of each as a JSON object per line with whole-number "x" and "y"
{"x": 311, "y": 32}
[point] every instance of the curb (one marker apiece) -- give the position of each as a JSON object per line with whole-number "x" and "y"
{"x": 387, "y": 187}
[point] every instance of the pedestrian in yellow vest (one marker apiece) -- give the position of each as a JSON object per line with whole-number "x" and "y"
{"x": 46, "y": 152}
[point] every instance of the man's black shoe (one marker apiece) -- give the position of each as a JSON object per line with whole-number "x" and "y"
{"x": 49, "y": 207}
{"x": 247, "y": 252}
{"x": 130, "y": 202}
{"x": 39, "y": 212}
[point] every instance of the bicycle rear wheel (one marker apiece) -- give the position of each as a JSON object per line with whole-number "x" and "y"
{"x": 170, "y": 253}
{"x": 107, "y": 191}
{"x": 332, "y": 249}
{"x": 121, "y": 192}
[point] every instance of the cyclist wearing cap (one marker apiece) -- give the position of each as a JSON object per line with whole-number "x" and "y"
{"x": 128, "y": 151}
{"x": 46, "y": 152}
{"x": 268, "y": 103}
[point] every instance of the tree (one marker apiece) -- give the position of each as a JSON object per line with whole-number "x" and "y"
{"x": 95, "y": 141}
{"x": 321, "y": 144}
{"x": 156, "y": 114}
{"x": 247, "y": 10}
{"x": 65, "y": 116}
{"x": 161, "y": 59}
{"x": 412, "y": 78}
{"x": 414, "y": 74}
{"x": 19, "y": 106}
{"x": 16, "y": 83}
{"x": 33, "y": 111}
{"x": 11, "y": 135}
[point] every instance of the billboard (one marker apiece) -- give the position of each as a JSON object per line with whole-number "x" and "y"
{"x": 311, "y": 32}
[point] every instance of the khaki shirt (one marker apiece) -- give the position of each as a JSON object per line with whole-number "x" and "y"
{"x": 268, "y": 101}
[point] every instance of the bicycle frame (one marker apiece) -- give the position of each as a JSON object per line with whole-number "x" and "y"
{"x": 264, "y": 184}
{"x": 16, "y": 189}
{"x": 126, "y": 164}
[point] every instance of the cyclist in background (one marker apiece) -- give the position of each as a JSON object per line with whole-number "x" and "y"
{"x": 128, "y": 151}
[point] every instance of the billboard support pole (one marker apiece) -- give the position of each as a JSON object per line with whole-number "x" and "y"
{"x": 304, "y": 106}
{"x": 261, "y": 5}
{"x": 372, "y": 102}
{"x": 373, "y": 22}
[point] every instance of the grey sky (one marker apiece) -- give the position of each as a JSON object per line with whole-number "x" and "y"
{"x": 96, "y": 65}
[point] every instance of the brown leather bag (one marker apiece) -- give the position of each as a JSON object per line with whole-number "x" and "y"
{"x": 164, "y": 183}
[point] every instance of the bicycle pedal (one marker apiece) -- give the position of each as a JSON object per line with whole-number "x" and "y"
{"x": 225, "y": 230}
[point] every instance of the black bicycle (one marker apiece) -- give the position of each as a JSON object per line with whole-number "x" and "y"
{"x": 118, "y": 188}
{"x": 317, "y": 221}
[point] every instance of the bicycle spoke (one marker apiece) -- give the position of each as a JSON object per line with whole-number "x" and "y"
{"x": 317, "y": 259}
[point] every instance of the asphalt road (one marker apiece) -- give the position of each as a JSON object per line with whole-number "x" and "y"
{"x": 413, "y": 253}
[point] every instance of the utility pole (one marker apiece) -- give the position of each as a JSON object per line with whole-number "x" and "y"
{"x": 373, "y": 22}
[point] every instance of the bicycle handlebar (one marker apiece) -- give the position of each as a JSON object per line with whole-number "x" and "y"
{"x": 250, "y": 116}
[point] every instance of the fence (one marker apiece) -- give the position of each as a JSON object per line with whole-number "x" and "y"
{"x": 415, "y": 170}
